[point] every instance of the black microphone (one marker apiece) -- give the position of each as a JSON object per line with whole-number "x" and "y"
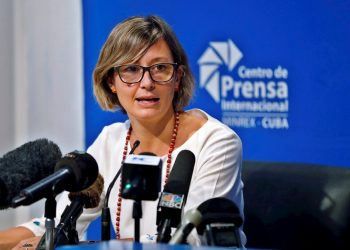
{"x": 141, "y": 180}
{"x": 106, "y": 214}
{"x": 220, "y": 224}
{"x": 74, "y": 172}
{"x": 89, "y": 198}
{"x": 218, "y": 219}
{"x": 174, "y": 195}
{"x": 25, "y": 166}
{"x": 65, "y": 232}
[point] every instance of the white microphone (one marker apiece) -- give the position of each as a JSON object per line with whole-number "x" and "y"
{"x": 191, "y": 219}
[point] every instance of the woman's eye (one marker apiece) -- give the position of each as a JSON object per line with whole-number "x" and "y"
{"x": 130, "y": 69}
{"x": 160, "y": 67}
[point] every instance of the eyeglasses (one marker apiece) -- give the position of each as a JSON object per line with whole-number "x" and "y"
{"x": 160, "y": 73}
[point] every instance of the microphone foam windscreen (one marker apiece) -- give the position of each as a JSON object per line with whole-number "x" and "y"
{"x": 181, "y": 174}
{"x": 25, "y": 166}
{"x": 177, "y": 186}
{"x": 91, "y": 195}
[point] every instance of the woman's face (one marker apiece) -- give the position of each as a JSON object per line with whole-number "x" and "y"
{"x": 146, "y": 99}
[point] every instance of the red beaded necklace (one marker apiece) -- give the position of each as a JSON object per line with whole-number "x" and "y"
{"x": 168, "y": 165}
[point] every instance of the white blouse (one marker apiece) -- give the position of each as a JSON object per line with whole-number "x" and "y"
{"x": 216, "y": 173}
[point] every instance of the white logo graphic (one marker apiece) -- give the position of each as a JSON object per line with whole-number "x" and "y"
{"x": 218, "y": 53}
{"x": 249, "y": 96}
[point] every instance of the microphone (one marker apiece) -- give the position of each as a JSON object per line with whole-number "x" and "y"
{"x": 65, "y": 232}
{"x": 174, "y": 195}
{"x": 141, "y": 180}
{"x": 74, "y": 172}
{"x": 106, "y": 214}
{"x": 141, "y": 177}
{"x": 220, "y": 224}
{"x": 89, "y": 198}
{"x": 25, "y": 166}
{"x": 191, "y": 219}
{"x": 217, "y": 218}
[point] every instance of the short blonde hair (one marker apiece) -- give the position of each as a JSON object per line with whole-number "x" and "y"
{"x": 128, "y": 42}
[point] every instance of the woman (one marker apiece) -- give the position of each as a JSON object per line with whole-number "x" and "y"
{"x": 143, "y": 71}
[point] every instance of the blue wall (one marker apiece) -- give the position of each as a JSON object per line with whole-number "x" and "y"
{"x": 307, "y": 42}
{"x": 277, "y": 72}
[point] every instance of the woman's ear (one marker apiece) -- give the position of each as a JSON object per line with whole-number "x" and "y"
{"x": 113, "y": 89}
{"x": 112, "y": 86}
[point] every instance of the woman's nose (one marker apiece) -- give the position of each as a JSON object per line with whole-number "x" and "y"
{"x": 147, "y": 82}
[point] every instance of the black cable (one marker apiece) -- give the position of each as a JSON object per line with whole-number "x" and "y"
{"x": 106, "y": 215}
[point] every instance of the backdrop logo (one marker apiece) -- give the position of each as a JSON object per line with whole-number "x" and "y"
{"x": 218, "y": 53}
{"x": 249, "y": 96}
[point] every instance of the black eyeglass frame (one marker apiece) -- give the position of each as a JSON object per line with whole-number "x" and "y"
{"x": 144, "y": 69}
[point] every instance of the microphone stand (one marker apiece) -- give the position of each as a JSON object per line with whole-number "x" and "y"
{"x": 50, "y": 214}
{"x": 164, "y": 231}
{"x": 137, "y": 215}
{"x": 106, "y": 214}
{"x": 66, "y": 232}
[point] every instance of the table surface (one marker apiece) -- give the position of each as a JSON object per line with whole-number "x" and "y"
{"x": 127, "y": 245}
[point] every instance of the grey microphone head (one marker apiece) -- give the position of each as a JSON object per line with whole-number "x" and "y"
{"x": 192, "y": 216}
{"x": 191, "y": 219}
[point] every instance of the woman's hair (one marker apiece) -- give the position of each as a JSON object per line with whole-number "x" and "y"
{"x": 128, "y": 42}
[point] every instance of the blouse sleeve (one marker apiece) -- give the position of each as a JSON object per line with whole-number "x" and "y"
{"x": 218, "y": 169}
{"x": 217, "y": 172}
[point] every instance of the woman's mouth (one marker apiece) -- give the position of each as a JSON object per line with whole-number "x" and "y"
{"x": 147, "y": 100}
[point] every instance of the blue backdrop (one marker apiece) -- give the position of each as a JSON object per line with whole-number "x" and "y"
{"x": 274, "y": 71}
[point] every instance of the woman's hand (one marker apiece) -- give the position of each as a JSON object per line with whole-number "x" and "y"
{"x": 28, "y": 244}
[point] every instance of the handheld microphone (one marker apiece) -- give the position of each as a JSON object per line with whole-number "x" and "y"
{"x": 174, "y": 195}
{"x": 106, "y": 214}
{"x": 220, "y": 224}
{"x": 25, "y": 166}
{"x": 191, "y": 219}
{"x": 74, "y": 172}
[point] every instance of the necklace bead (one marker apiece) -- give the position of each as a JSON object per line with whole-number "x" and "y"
{"x": 167, "y": 172}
